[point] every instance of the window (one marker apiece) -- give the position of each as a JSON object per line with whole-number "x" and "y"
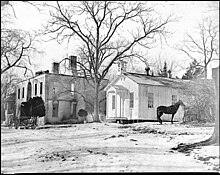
{"x": 174, "y": 99}
{"x": 113, "y": 101}
{"x": 131, "y": 99}
{"x": 18, "y": 93}
{"x": 72, "y": 88}
{"x": 35, "y": 89}
{"x": 150, "y": 100}
{"x": 23, "y": 92}
{"x": 55, "y": 108}
{"x": 41, "y": 87}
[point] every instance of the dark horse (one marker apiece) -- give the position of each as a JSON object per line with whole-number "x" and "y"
{"x": 168, "y": 110}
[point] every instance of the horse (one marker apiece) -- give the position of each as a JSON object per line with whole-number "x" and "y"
{"x": 168, "y": 110}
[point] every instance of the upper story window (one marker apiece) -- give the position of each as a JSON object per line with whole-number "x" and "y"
{"x": 23, "y": 92}
{"x": 131, "y": 99}
{"x": 150, "y": 100}
{"x": 41, "y": 87}
{"x": 35, "y": 89}
{"x": 174, "y": 99}
{"x": 72, "y": 88}
{"x": 113, "y": 101}
{"x": 18, "y": 93}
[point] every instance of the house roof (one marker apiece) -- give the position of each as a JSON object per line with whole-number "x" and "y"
{"x": 150, "y": 80}
{"x": 156, "y": 80}
{"x": 120, "y": 87}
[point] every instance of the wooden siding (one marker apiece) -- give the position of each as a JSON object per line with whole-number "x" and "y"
{"x": 162, "y": 96}
{"x": 123, "y": 100}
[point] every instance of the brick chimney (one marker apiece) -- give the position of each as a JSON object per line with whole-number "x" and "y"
{"x": 55, "y": 67}
{"x": 147, "y": 69}
{"x": 72, "y": 64}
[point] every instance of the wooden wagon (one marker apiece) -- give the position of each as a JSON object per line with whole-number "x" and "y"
{"x": 28, "y": 113}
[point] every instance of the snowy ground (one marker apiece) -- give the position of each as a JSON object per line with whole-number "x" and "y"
{"x": 107, "y": 147}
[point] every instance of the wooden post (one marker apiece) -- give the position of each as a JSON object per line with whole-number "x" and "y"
{"x": 215, "y": 76}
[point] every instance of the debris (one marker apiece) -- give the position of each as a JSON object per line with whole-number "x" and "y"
{"x": 90, "y": 151}
{"x": 113, "y": 136}
{"x": 133, "y": 140}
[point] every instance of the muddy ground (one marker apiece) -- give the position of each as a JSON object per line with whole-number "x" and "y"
{"x": 107, "y": 147}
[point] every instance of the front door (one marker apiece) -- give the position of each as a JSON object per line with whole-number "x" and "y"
{"x": 112, "y": 105}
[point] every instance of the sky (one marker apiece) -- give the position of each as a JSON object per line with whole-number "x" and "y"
{"x": 189, "y": 13}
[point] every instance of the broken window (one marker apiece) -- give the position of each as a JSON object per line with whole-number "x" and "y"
{"x": 41, "y": 87}
{"x": 18, "y": 93}
{"x": 150, "y": 100}
{"x": 72, "y": 88}
{"x": 35, "y": 89}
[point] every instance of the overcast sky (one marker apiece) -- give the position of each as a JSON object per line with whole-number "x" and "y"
{"x": 190, "y": 13}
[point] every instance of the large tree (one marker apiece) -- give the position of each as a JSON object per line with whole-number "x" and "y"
{"x": 108, "y": 31}
{"x": 16, "y": 45}
{"x": 204, "y": 47}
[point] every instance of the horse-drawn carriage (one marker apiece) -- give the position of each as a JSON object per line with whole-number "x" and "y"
{"x": 28, "y": 113}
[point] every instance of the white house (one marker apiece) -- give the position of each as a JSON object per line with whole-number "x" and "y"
{"x": 133, "y": 96}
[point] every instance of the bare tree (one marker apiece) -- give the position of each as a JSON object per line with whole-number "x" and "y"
{"x": 101, "y": 28}
{"x": 8, "y": 82}
{"x": 16, "y": 45}
{"x": 204, "y": 49}
{"x": 15, "y": 49}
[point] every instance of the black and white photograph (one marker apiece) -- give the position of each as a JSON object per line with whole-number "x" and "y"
{"x": 109, "y": 86}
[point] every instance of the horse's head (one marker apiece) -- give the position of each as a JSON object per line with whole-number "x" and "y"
{"x": 180, "y": 102}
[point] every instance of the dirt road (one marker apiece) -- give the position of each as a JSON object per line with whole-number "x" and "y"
{"x": 107, "y": 147}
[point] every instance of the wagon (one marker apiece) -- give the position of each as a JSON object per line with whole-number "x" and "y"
{"x": 28, "y": 113}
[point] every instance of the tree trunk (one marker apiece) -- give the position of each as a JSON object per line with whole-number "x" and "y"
{"x": 214, "y": 139}
{"x": 215, "y": 135}
{"x": 205, "y": 72}
{"x": 96, "y": 103}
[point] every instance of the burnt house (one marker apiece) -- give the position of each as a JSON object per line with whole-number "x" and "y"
{"x": 63, "y": 95}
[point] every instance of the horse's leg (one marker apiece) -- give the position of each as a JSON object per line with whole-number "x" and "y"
{"x": 172, "y": 118}
{"x": 159, "y": 114}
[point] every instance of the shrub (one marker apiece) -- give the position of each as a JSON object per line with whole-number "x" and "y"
{"x": 199, "y": 96}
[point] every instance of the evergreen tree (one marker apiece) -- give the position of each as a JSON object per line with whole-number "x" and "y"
{"x": 193, "y": 71}
{"x": 163, "y": 72}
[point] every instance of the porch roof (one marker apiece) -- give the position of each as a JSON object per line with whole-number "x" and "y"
{"x": 120, "y": 87}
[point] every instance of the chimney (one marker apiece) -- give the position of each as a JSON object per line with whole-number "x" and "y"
{"x": 169, "y": 74}
{"x": 147, "y": 70}
{"x": 72, "y": 64}
{"x": 55, "y": 67}
{"x": 38, "y": 73}
{"x": 121, "y": 67}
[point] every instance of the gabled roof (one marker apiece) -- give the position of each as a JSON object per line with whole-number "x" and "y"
{"x": 151, "y": 80}
{"x": 156, "y": 80}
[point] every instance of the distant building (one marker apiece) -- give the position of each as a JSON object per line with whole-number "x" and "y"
{"x": 133, "y": 96}
{"x": 9, "y": 107}
{"x": 64, "y": 95}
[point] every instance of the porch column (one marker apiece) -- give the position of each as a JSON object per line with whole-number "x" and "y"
{"x": 116, "y": 103}
{"x": 107, "y": 99}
